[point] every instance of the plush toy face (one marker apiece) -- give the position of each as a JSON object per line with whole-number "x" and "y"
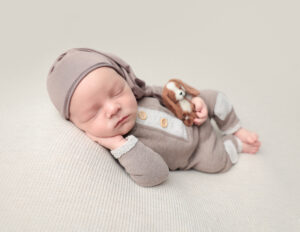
{"x": 174, "y": 98}
{"x": 177, "y": 92}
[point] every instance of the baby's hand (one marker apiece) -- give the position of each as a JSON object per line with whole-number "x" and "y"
{"x": 110, "y": 142}
{"x": 201, "y": 110}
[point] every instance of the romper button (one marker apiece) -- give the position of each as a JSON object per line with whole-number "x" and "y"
{"x": 142, "y": 115}
{"x": 164, "y": 122}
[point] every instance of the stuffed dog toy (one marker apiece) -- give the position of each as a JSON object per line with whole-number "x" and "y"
{"x": 174, "y": 97}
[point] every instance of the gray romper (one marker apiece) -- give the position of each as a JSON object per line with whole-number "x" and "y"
{"x": 160, "y": 142}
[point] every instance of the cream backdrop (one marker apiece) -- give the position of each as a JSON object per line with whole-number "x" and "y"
{"x": 247, "y": 49}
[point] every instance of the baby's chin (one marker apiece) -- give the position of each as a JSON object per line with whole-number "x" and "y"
{"x": 127, "y": 127}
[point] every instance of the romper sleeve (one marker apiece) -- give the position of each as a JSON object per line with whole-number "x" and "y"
{"x": 146, "y": 167}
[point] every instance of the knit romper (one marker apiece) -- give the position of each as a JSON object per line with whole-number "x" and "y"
{"x": 160, "y": 142}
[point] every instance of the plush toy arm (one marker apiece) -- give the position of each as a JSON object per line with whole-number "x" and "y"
{"x": 171, "y": 106}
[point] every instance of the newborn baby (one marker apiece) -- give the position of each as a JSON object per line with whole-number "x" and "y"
{"x": 100, "y": 94}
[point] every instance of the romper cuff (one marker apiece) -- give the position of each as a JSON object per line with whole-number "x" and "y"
{"x": 131, "y": 142}
{"x": 232, "y": 129}
{"x": 240, "y": 144}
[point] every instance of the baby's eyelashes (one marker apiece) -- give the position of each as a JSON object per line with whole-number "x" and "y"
{"x": 118, "y": 92}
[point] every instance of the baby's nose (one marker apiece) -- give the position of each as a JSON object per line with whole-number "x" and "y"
{"x": 112, "y": 109}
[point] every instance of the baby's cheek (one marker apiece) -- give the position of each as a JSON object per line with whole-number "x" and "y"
{"x": 100, "y": 128}
{"x": 129, "y": 125}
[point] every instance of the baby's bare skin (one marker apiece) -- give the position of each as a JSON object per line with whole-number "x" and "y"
{"x": 251, "y": 144}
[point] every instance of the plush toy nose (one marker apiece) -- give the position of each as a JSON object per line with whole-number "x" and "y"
{"x": 181, "y": 93}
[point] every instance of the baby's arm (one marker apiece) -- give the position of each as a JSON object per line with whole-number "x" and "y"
{"x": 145, "y": 167}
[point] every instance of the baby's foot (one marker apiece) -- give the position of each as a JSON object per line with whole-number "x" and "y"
{"x": 249, "y": 139}
{"x": 251, "y": 148}
{"x": 246, "y": 136}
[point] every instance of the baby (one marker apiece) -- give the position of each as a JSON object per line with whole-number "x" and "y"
{"x": 100, "y": 94}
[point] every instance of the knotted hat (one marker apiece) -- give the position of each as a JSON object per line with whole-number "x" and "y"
{"x": 74, "y": 64}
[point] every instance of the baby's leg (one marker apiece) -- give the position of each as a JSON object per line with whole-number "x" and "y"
{"x": 221, "y": 110}
{"x": 214, "y": 154}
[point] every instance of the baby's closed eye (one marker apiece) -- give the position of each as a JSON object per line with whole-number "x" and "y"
{"x": 118, "y": 91}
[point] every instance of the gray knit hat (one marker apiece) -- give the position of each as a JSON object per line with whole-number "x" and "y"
{"x": 74, "y": 64}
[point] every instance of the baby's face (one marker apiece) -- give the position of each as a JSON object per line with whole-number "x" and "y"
{"x": 100, "y": 101}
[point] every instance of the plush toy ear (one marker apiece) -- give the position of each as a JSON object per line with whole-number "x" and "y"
{"x": 190, "y": 90}
{"x": 169, "y": 103}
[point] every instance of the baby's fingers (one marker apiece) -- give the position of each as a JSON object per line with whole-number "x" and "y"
{"x": 202, "y": 114}
{"x": 198, "y": 107}
{"x": 199, "y": 121}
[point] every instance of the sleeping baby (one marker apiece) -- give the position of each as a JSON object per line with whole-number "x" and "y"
{"x": 100, "y": 94}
